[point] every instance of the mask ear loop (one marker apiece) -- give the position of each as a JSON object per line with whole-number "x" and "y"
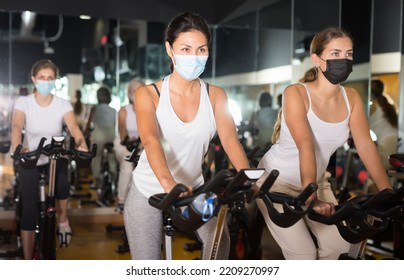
{"x": 318, "y": 65}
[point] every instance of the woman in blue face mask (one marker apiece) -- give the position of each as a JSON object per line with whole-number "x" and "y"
{"x": 42, "y": 114}
{"x": 177, "y": 117}
{"x": 318, "y": 114}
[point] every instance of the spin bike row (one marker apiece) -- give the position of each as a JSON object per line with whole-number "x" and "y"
{"x": 45, "y": 232}
{"x": 357, "y": 219}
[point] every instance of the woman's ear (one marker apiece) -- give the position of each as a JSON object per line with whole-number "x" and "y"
{"x": 169, "y": 50}
{"x": 315, "y": 60}
{"x": 33, "y": 79}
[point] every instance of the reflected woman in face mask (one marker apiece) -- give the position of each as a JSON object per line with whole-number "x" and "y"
{"x": 176, "y": 118}
{"x": 318, "y": 114}
{"x": 42, "y": 114}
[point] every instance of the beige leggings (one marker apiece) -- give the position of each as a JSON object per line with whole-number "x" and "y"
{"x": 296, "y": 242}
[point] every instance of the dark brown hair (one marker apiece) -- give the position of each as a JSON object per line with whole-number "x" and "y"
{"x": 104, "y": 95}
{"x": 43, "y": 64}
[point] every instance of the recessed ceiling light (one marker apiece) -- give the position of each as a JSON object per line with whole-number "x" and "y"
{"x": 85, "y": 17}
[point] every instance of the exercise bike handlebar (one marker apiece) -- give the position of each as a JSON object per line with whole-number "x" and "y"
{"x": 28, "y": 160}
{"x": 352, "y": 216}
{"x": 293, "y": 207}
{"x": 130, "y": 144}
{"x": 163, "y": 201}
{"x": 83, "y": 159}
{"x": 171, "y": 202}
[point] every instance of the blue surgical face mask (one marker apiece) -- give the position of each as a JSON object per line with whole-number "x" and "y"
{"x": 190, "y": 67}
{"x": 44, "y": 87}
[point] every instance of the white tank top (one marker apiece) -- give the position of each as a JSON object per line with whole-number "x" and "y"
{"x": 130, "y": 122}
{"x": 328, "y": 137}
{"x": 184, "y": 143}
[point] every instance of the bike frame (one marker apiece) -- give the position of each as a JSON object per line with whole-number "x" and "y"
{"x": 46, "y": 220}
{"x": 49, "y": 230}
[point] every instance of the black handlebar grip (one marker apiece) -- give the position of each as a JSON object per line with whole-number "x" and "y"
{"x": 164, "y": 202}
{"x": 307, "y": 192}
{"x": 83, "y": 159}
{"x": 269, "y": 181}
{"x": 28, "y": 160}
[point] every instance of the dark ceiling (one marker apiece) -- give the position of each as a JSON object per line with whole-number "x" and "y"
{"x": 215, "y": 11}
{"x": 158, "y": 12}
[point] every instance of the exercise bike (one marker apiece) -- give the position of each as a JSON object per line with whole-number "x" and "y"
{"x": 135, "y": 148}
{"x": 363, "y": 216}
{"x": 46, "y": 219}
{"x": 107, "y": 190}
{"x": 7, "y": 203}
{"x": 231, "y": 189}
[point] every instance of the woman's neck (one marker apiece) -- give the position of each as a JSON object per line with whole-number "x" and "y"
{"x": 43, "y": 100}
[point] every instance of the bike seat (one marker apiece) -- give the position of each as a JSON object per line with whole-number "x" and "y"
{"x": 397, "y": 160}
{"x": 5, "y": 146}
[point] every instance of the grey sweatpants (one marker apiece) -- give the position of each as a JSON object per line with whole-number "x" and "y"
{"x": 144, "y": 229}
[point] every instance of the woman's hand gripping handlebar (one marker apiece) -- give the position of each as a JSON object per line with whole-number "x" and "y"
{"x": 172, "y": 203}
{"x": 353, "y": 218}
{"x": 28, "y": 160}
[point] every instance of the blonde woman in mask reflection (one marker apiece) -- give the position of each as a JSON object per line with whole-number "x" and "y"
{"x": 177, "y": 117}
{"x": 43, "y": 114}
{"x": 318, "y": 113}
{"x": 383, "y": 122}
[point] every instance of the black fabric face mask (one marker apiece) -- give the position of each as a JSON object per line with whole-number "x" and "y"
{"x": 337, "y": 70}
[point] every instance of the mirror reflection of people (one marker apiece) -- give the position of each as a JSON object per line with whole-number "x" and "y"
{"x": 317, "y": 116}
{"x": 103, "y": 120}
{"x": 384, "y": 123}
{"x": 263, "y": 120}
{"x": 42, "y": 114}
{"x": 23, "y": 91}
{"x": 127, "y": 131}
{"x": 177, "y": 117}
{"x": 80, "y": 110}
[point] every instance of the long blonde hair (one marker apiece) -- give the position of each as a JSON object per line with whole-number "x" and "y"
{"x": 317, "y": 46}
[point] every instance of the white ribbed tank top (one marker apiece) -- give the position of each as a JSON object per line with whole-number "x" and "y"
{"x": 184, "y": 143}
{"x": 328, "y": 137}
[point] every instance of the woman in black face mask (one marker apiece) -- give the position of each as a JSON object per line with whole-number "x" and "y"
{"x": 317, "y": 116}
